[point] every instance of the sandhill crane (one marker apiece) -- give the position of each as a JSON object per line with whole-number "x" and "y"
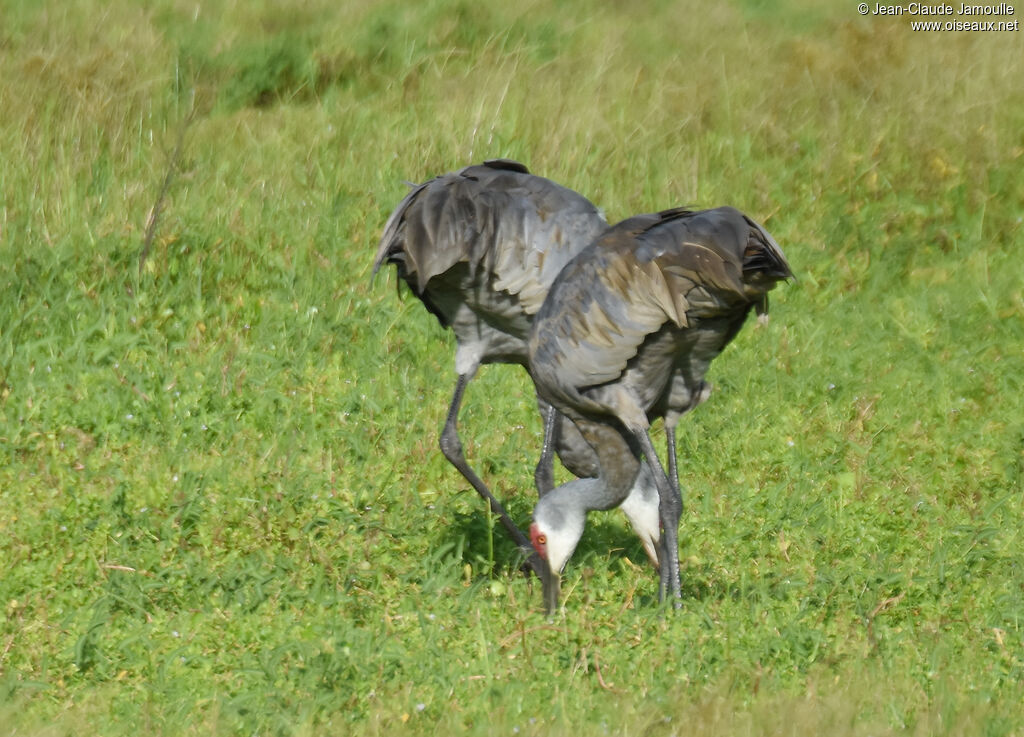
{"x": 480, "y": 248}
{"x": 626, "y": 335}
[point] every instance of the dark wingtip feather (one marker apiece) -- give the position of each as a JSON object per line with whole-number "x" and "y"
{"x": 389, "y": 236}
{"x": 674, "y": 213}
{"x": 506, "y": 165}
{"x": 764, "y": 254}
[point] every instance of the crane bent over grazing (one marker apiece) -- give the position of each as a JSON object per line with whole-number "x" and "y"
{"x": 480, "y": 247}
{"x": 625, "y": 336}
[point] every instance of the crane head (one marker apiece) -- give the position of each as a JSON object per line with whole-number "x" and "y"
{"x": 558, "y": 522}
{"x": 551, "y": 579}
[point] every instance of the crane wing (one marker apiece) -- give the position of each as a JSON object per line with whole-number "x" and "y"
{"x": 520, "y": 228}
{"x": 676, "y": 266}
{"x": 540, "y": 228}
{"x": 601, "y": 308}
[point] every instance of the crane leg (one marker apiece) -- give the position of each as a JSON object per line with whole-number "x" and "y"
{"x": 670, "y": 508}
{"x": 671, "y": 419}
{"x": 451, "y": 446}
{"x": 690, "y": 398}
{"x": 563, "y": 437}
{"x": 544, "y": 475}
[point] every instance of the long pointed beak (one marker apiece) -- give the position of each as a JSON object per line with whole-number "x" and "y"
{"x": 552, "y": 583}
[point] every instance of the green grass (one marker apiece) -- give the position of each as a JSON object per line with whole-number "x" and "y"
{"x": 222, "y": 507}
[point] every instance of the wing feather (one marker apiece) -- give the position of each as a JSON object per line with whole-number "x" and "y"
{"x": 494, "y": 217}
{"x": 677, "y": 267}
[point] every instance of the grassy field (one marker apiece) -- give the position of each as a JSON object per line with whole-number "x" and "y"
{"x": 222, "y": 507}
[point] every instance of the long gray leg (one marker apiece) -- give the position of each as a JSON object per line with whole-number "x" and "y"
{"x": 670, "y": 507}
{"x": 671, "y": 420}
{"x": 561, "y": 436}
{"x": 544, "y": 474}
{"x": 451, "y": 446}
{"x": 692, "y": 399}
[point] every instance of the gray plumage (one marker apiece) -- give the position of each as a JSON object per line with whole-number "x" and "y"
{"x": 626, "y": 335}
{"x": 488, "y": 230}
{"x": 480, "y": 247}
